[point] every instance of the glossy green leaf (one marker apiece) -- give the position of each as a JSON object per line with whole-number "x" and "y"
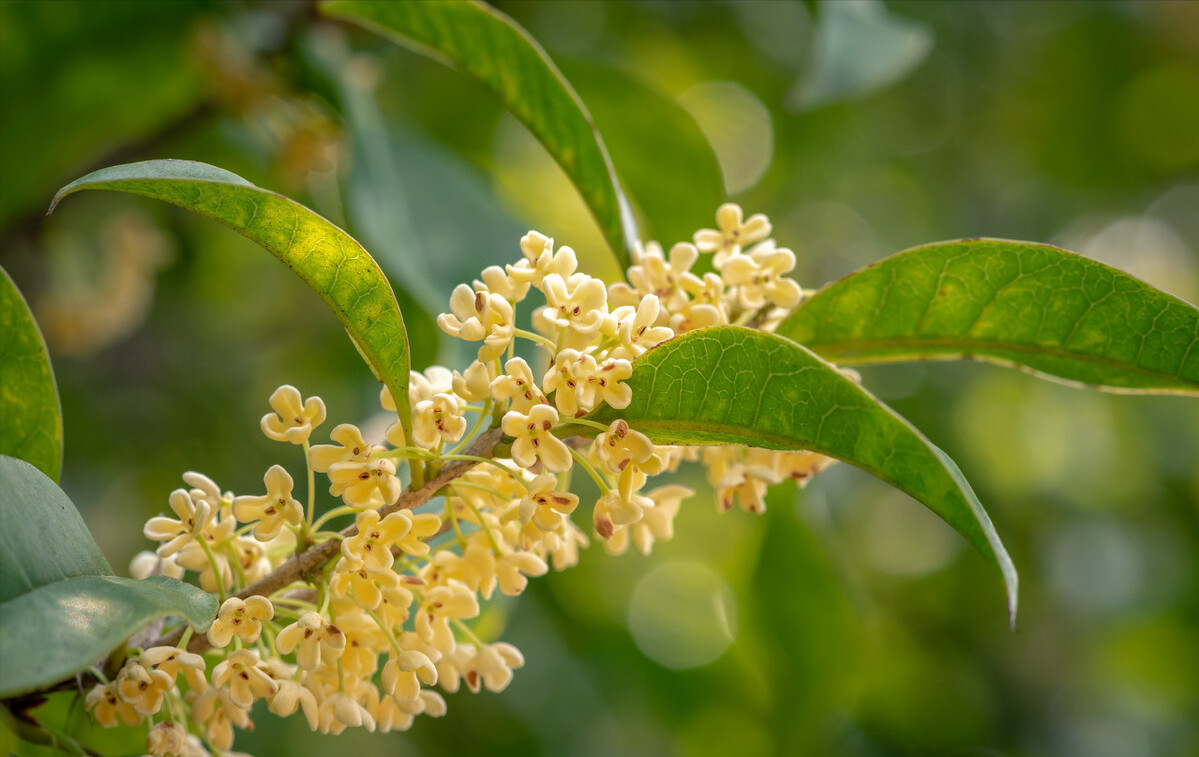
{"x": 32, "y": 426}
{"x": 491, "y": 47}
{"x": 1016, "y": 303}
{"x": 61, "y": 609}
{"x": 732, "y": 385}
{"x": 42, "y": 537}
{"x": 330, "y": 261}
{"x": 60, "y": 629}
{"x": 666, "y": 163}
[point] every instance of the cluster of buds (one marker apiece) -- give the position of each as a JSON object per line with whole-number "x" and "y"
{"x": 369, "y": 636}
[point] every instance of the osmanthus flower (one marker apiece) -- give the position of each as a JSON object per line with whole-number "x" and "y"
{"x": 708, "y": 289}
{"x": 194, "y": 517}
{"x": 478, "y": 316}
{"x": 534, "y": 439}
{"x": 474, "y": 384}
{"x": 294, "y": 417}
{"x": 544, "y": 506}
{"x": 562, "y": 380}
{"x": 166, "y": 739}
{"x": 143, "y": 689}
{"x": 241, "y": 674}
{"x": 760, "y": 277}
{"x": 403, "y": 674}
{"x": 565, "y": 553}
{"x": 600, "y": 382}
{"x": 656, "y": 274}
{"x": 146, "y": 563}
{"x": 242, "y": 618}
{"x": 482, "y": 568}
{"x": 252, "y": 553}
{"x": 735, "y": 233}
{"x": 396, "y": 603}
{"x": 421, "y": 386}
{"x": 364, "y": 639}
{"x": 577, "y": 304}
{"x": 615, "y": 510}
{"x": 518, "y": 385}
{"x": 489, "y": 665}
{"x": 292, "y": 696}
{"x": 438, "y": 419}
{"x": 512, "y": 567}
{"x": 398, "y": 716}
{"x": 750, "y": 494}
{"x": 353, "y": 578}
{"x": 656, "y": 524}
{"x": 371, "y": 546}
{"x": 313, "y": 638}
{"x": 173, "y": 661}
{"x": 439, "y": 605}
{"x": 340, "y": 711}
{"x": 637, "y": 330}
{"x": 365, "y": 485}
{"x": 107, "y": 708}
{"x": 497, "y": 281}
{"x": 697, "y": 315}
{"x": 541, "y": 260}
{"x": 216, "y": 713}
{"x": 621, "y": 445}
{"x": 351, "y": 447}
{"x": 273, "y": 509}
{"x": 774, "y": 466}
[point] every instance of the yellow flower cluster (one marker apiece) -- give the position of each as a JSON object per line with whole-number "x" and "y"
{"x": 362, "y": 640}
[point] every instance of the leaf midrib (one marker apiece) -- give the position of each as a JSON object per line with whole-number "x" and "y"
{"x": 847, "y": 350}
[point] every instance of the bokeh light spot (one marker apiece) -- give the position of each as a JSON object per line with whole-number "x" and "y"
{"x": 682, "y": 615}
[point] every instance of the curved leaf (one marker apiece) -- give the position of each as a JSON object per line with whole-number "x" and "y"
{"x": 61, "y": 608}
{"x": 59, "y": 629}
{"x": 330, "y": 261}
{"x": 494, "y": 49}
{"x": 658, "y": 146}
{"x": 32, "y": 427}
{"x": 733, "y": 385}
{"x": 42, "y": 537}
{"x": 1016, "y": 303}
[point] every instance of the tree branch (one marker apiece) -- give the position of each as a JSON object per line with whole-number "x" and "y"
{"x": 298, "y": 566}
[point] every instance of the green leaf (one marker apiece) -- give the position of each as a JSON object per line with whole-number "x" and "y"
{"x": 733, "y": 385}
{"x": 60, "y": 629}
{"x": 42, "y": 537}
{"x": 32, "y": 427}
{"x": 494, "y": 49}
{"x": 666, "y": 163}
{"x": 1015, "y": 303}
{"x": 330, "y": 261}
{"x": 61, "y": 609}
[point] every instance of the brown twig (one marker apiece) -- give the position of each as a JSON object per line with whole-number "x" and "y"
{"x": 314, "y": 558}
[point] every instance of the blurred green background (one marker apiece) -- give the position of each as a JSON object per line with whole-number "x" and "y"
{"x": 847, "y": 620}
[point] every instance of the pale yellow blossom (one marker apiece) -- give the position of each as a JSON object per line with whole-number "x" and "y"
{"x": 313, "y": 638}
{"x": 534, "y": 440}
{"x": 273, "y": 509}
{"x": 734, "y": 234}
{"x": 518, "y": 385}
{"x": 294, "y": 418}
{"x": 242, "y": 618}
{"x": 436, "y": 420}
{"x": 107, "y": 708}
